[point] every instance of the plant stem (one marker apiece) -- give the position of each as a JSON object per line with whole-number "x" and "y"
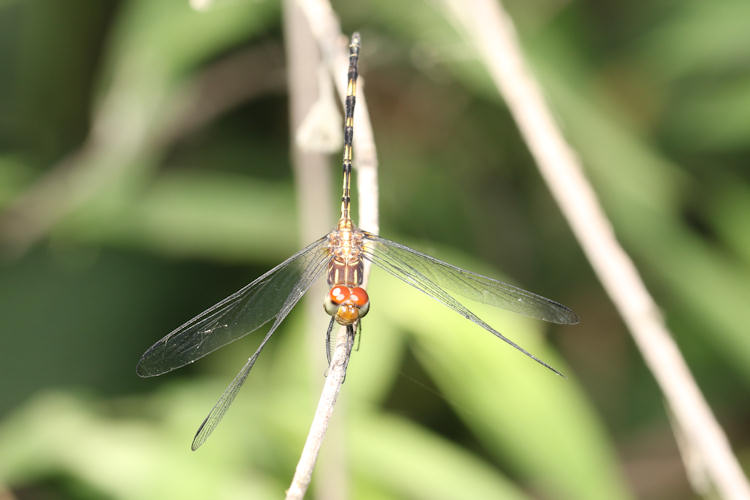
{"x": 491, "y": 31}
{"x": 332, "y": 44}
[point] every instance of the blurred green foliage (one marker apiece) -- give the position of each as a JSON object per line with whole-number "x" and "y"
{"x": 159, "y": 221}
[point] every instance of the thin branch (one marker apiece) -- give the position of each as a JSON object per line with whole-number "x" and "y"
{"x": 323, "y": 413}
{"x": 332, "y": 45}
{"x": 313, "y": 172}
{"x": 490, "y": 29}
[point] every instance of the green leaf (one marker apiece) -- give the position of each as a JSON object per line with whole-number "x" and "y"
{"x": 205, "y": 213}
{"x": 58, "y": 434}
{"x": 521, "y": 412}
{"x": 408, "y": 461}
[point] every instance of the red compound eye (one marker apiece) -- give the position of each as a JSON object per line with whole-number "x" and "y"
{"x": 335, "y": 297}
{"x": 339, "y": 294}
{"x": 359, "y": 297}
{"x": 346, "y": 304}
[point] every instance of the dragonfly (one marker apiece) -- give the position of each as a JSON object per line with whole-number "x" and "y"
{"x": 340, "y": 255}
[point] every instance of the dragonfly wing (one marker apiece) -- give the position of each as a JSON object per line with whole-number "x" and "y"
{"x": 270, "y": 296}
{"x": 471, "y": 285}
{"x": 309, "y": 275}
{"x": 222, "y": 405}
{"x": 433, "y": 277}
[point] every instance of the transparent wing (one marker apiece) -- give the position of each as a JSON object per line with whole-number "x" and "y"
{"x": 436, "y": 278}
{"x": 473, "y": 286}
{"x": 308, "y": 275}
{"x": 239, "y": 314}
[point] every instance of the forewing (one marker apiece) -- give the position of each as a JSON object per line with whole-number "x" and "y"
{"x": 308, "y": 275}
{"x": 471, "y": 285}
{"x": 237, "y": 315}
{"x": 435, "y": 277}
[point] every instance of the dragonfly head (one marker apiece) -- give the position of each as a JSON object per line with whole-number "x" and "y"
{"x": 346, "y": 304}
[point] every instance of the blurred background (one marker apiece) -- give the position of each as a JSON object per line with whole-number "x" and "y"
{"x": 145, "y": 174}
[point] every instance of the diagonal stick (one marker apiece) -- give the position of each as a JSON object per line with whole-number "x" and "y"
{"x": 489, "y": 28}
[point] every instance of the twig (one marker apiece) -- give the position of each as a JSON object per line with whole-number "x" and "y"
{"x": 490, "y": 29}
{"x": 313, "y": 173}
{"x": 331, "y": 42}
{"x": 336, "y": 375}
{"x": 332, "y": 45}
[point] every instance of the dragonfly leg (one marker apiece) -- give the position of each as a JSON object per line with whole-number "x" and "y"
{"x": 349, "y": 345}
{"x": 328, "y": 341}
{"x": 328, "y": 347}
{"x": 358, "y": 335}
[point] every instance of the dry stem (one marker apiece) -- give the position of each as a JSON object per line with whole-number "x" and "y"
{"x": 332, "y": 45}
{"x": 491, "y": 31}
{"x": 313, "y": 172}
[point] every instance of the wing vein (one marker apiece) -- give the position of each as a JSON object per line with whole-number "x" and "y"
{"x": 401, "y": 262}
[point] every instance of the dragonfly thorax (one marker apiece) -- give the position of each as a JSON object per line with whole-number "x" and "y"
{"x": 345, "y": 247}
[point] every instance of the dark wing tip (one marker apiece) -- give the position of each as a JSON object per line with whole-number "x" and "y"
{"x": 196, "y": 443}
{"x": 565, "y": 316}
{"x": 571, "y": 318}
{"x": 200, "y": 436}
